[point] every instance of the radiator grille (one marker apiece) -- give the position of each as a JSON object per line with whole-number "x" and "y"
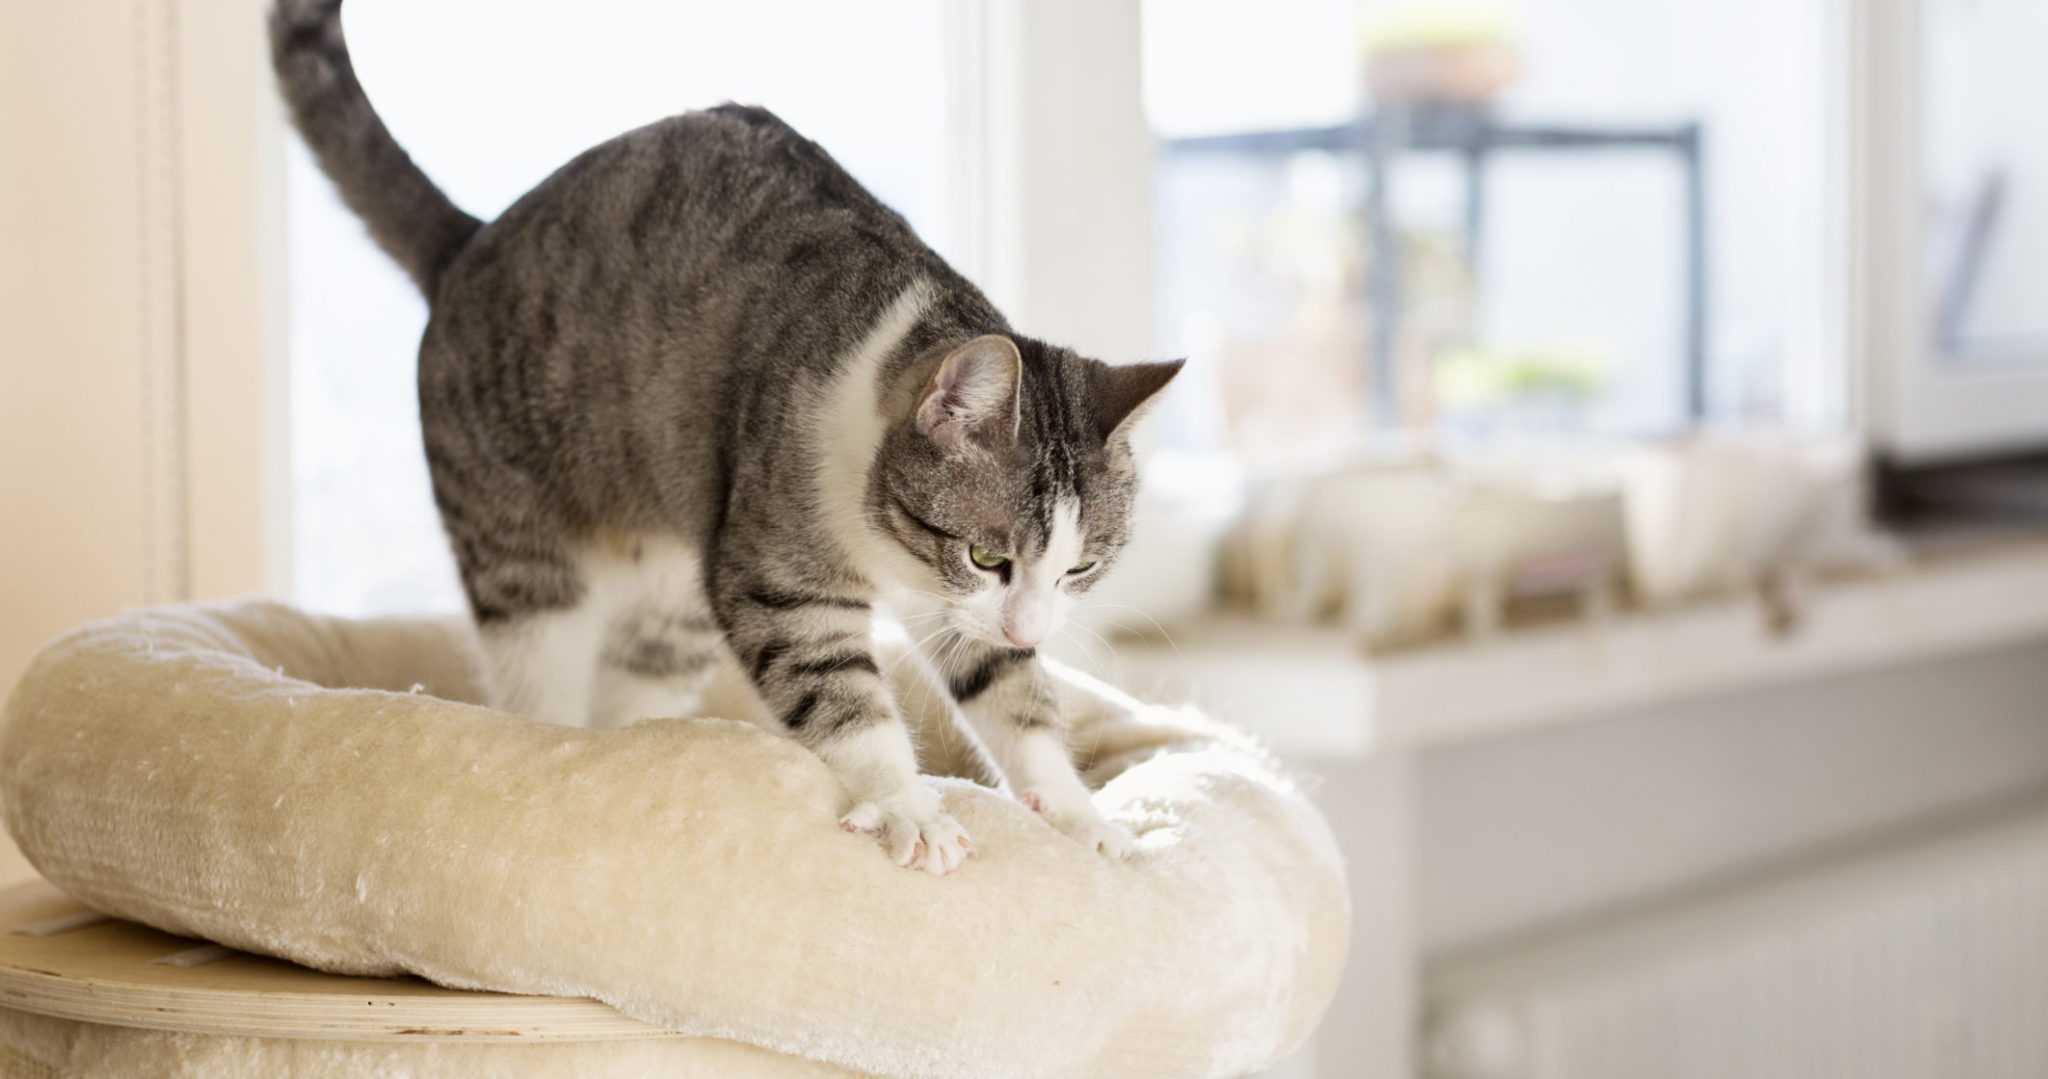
{"x": 1925, "y": 962}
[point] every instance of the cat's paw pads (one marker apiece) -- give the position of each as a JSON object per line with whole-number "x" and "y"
{"x": 931, "y": 841}
{"x": 1080, "y": 823}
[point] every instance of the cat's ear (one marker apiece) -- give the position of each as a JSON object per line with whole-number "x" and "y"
{"x": 1122, "y": 392}
{"x": 974, "y": 392}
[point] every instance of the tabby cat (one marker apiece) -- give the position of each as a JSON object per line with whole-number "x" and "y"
{"x": 700, "y": 390}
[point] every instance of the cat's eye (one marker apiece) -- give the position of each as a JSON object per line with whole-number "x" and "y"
{"x": 985, "y": 558}
{"x": 1081, "y": 568}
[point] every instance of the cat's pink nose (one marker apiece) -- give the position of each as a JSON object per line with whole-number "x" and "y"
{"x": 1026, "y": 620}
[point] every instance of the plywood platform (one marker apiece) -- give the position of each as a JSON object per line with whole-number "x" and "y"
{"x": 57, "y": 957}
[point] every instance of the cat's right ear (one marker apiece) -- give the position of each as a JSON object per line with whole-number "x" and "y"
{"x": 973, "y": 393}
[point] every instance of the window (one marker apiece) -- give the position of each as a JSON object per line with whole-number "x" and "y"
{"x": 490, "y": 98}
{"x": 1594, "y": 217}
{"x": 1986, "y": 165}
{"x": 1948, "y": 228}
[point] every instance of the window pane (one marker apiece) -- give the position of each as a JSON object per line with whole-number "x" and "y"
{"x": 490, "y": 98}
{"x": 1531, "y": 168}
{"x": 1986, "y": 157}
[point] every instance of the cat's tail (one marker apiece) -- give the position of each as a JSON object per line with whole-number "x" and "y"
{"x": 408, "y": 216}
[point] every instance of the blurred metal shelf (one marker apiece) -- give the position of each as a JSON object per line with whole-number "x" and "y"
{"x": 1475, "y": 133}
{"x": 1314, "y": 693}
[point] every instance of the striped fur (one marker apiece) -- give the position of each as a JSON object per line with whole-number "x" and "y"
{"x": 408, "y": 216}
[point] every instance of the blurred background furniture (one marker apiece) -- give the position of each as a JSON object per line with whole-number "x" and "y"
{"x": 1475, "y": 134}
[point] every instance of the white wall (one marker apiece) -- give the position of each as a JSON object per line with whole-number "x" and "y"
{"x": 1515, "y": 833}
{"x": 1367, "y": 1031}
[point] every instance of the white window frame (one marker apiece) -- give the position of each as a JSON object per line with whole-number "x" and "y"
{"x": 1066, "y": 173}
{"x": 1918, "y": 406}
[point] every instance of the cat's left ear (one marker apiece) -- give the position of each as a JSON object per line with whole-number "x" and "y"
{"x": 973, "y": 393}
{"x": 1121, "y": 393}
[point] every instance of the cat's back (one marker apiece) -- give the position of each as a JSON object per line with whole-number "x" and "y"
{"x": 647, "y": 287}
{"x": 731, "y": 190}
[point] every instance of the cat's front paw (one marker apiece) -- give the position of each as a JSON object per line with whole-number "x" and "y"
{"x": 915, "y": 838}
{"x": 1077, "y": 820}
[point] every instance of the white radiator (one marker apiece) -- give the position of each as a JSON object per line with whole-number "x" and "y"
{"x": 1923, "y": 962}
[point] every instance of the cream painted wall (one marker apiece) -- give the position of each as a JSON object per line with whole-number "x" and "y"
{"x": 83, "y": 533}
{"x": 135, "y": 198}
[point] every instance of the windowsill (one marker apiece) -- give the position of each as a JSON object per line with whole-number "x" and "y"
{"x": 1312, "y": 692}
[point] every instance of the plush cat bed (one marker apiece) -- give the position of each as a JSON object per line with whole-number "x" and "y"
{"x": 318, "y": 789}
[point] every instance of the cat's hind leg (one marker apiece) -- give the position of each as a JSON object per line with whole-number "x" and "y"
{"x": 654, "y": 664}
{"x": 541, "y": 663}
{"x": 539, "y": 625}
{"x": 537, "y": 621}
{"x": 662, "y": 646}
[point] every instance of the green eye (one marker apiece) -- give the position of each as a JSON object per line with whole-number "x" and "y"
{"x": 1082, "y": 568}
{"x": 983, "y": 558}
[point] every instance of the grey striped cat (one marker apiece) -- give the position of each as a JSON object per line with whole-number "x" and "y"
{"x": 701, "y": 390}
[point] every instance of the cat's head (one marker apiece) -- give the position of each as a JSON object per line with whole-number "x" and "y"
{"x": 1009, "y": 481}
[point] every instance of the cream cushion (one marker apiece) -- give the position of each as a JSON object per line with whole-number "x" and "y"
{"x": 323, "y": 790}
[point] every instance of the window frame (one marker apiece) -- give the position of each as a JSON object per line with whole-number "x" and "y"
{"x": 1917, "y": 406}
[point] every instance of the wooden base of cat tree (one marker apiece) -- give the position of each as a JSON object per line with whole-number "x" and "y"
{"x": 85, "y": 996}
{"x": 60, "y": 958}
